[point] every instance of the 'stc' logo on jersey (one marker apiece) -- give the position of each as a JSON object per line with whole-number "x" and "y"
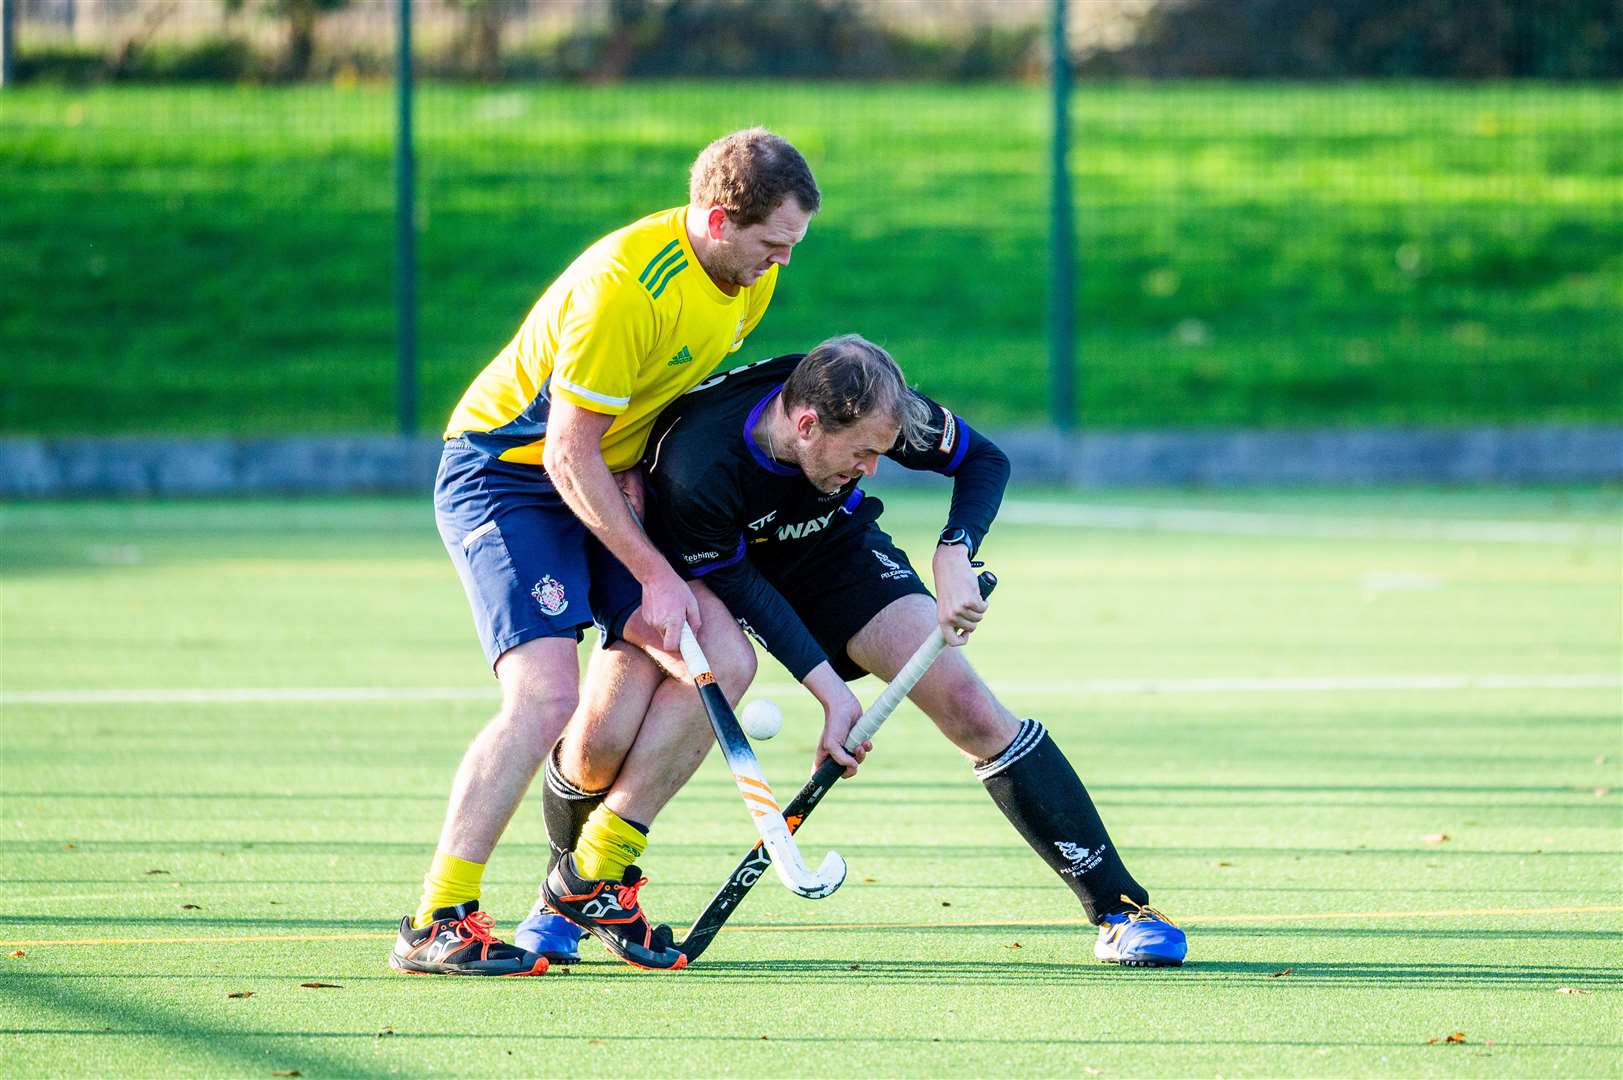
{"x": 683, "y": 357}
{"x": 755, "y": 525}
{"x": 549, "y": 596}
{"x": 805, "y": 528}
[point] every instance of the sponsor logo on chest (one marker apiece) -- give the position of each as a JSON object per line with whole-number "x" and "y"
{"x": 805, "y": 528}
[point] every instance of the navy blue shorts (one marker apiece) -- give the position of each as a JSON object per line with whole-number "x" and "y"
{"x": 530, "y": 568}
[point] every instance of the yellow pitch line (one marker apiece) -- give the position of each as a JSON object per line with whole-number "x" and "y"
{"x": 792, "y": 928}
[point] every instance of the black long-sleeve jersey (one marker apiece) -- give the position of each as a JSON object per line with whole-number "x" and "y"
{"x": 722, "y": 510}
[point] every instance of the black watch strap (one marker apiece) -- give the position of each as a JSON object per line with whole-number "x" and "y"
{"x": 955, "y": 535}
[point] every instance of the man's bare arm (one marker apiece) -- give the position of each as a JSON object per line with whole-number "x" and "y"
{"x": 573, "y": 459}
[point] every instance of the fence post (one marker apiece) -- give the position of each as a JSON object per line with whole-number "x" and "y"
{"x": 8, "y": 41}
{"x": 405, "y": 269}
{"x": 1061, "y": 277}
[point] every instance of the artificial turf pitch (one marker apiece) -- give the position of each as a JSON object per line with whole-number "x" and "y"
{"x": 1365, "y": 867}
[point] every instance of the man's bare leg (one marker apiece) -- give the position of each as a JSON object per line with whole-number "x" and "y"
{"x": 635, "y": 747}
{"x": 951, "y": 694}
{"x": 539, "y": 681}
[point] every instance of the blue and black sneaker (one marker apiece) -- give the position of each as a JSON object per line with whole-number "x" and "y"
{"x": 550, "y": 935}
{"x": 1140, "y": 938}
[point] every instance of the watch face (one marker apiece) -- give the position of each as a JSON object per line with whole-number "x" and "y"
{"x": 954, "y": 536}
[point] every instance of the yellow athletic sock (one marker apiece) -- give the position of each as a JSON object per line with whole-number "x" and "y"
{"x": 607, "y": 845}
{"x": 450, "y": 881}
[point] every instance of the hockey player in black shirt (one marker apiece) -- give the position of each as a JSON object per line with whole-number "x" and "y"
{"x": 753, "y": 491}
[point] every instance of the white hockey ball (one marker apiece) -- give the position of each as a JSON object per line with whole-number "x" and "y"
{"x": 761, "y": 719}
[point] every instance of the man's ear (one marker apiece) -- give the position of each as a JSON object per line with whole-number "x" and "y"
{"x": 805, "y": 421}
{"x": 715, "y": 223}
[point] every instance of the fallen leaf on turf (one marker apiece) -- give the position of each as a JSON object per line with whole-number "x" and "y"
{"x": 287, "y": 1072}
{"x": 869, "y": 880}
{"x": 853, "y": 967}
{"x": 1013, "y": 945}
{"x": 190, "y": 907}
{"x": 69, "y": 847}
{"x": 1457, "y": 1037}
{"x": 1437, "y": 838}
{"x": 765, "y": 1039}
{"x": 321, "y": 986}
{"x": 151, "y": 872}
{"x": 384, "y": 1031}
{"x": 594, "y": 1042}
{"x": 1559, "y": 990}
{"x": 946, "y": 903}
{"x": 240, "y": 994}
{"x": 18, "y": 954}
{"x": 1222, "y": 864}
{"x": 1277, "y": 974}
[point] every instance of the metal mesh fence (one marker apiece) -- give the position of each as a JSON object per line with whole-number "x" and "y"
{"x": 204, "y": 243}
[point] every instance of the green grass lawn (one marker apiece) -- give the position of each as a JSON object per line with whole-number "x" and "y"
{"x": 161, "y": 856}
{"x": 219, "y": 259}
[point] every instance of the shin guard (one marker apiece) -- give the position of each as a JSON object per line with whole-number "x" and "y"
{"x": 565, "y": 808}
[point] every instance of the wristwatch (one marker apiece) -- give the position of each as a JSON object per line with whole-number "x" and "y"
{"x": 952, "y": 534}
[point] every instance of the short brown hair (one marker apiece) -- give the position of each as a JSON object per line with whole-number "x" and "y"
{"x": 848, "y": 378}
{"x": 749, "y": 174}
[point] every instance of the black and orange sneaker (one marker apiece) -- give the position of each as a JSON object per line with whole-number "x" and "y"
{"x": 609, "y": 911}
{"x": 459, "y": 942}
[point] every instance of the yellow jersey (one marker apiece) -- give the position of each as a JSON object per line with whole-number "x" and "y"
{"x": 632, "y": 324}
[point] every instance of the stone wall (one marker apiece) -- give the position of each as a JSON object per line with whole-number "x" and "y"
{"x": 131, "y": 467}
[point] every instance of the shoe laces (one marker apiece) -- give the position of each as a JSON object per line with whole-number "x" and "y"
{"x": 626, "y": 895}
{"x": 1144, "y": 913}
{"x": 476, "y": 926}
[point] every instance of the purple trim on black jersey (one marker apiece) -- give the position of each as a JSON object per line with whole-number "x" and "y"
{"x": 701, "y": 571}
{"x": 755, "y": 451}
{"x": 963, "y": 448}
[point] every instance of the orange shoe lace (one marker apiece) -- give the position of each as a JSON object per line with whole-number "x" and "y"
{"x": 476, "y": 927}
{"x": 626, "y": 895}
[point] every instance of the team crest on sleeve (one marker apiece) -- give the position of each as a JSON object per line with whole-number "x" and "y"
{"x": 949, "y": 431}
{"x": 549, "y": 596}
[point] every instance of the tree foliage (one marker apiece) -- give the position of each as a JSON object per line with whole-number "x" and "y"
{"x": 1316, "y": 39}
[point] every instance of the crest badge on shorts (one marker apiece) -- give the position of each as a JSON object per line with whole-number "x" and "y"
{"x": 549, "y": 595}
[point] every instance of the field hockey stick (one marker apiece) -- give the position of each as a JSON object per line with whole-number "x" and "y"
{"x": 775, "y": 832}
{"x": 753, "y": 865}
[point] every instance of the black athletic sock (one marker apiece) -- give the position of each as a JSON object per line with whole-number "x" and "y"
{"x": 565, "y": 809}
{"x": 1038, "y": 791}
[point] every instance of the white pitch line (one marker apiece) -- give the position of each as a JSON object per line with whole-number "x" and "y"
{"x": 1261, "y": 523}
{"x": 1277, "y": 684}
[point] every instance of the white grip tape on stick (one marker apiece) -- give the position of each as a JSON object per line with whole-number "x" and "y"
{"x": 885, "y": 704}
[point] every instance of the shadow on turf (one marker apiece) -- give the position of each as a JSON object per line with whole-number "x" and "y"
{"x": 1000, "y": 971}
{"x": 223, "y": 1045}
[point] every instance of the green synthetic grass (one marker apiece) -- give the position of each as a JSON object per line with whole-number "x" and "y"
{"x": 160, "y": 857}
{"x": 219, "y": 259}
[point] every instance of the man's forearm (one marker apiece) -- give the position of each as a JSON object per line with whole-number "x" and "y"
{"x": 590, "y": 490}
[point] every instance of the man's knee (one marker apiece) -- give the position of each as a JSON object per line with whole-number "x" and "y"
{"x": 969, "y": 715}
{"x": 734, "y": 666}
{"x": 531, "y": 723}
